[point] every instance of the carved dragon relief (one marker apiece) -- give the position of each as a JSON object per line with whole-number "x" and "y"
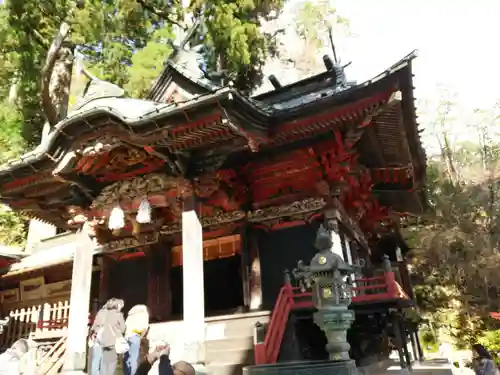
{"x": 107, "y": 158}
{"x": 209, "y": 221}
{"x": 218, "y": 205}
{"x": 138, "y": 187}
{"x": 295, "y": 208}
{"x": 206, "y": 188}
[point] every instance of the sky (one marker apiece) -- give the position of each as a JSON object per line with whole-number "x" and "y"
{"x": 456, "y": 42}
{"x": 455, "y": 39}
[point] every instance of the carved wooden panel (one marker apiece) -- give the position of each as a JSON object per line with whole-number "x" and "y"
{"x": 32, "y": 288}
{"x": 61, "y": 288}
{"x": 222, "y": 247}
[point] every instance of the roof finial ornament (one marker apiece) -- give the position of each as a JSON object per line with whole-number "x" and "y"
{"x": 274, "y": 81}
{"x": 96, "y": 88}
{"x": 191, "y": 59}
{"x": 330, "y": 36}
{"x": 189, "y": 35}
{"x": 336, "y": 66}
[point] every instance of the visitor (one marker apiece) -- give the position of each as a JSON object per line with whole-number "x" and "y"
{"x": 107, "y": 338}
{"x": 10, "y": 360}
{"x": 182, "y": 368}
{"x": 164, "y": 366}
{"x": 483, "y": 361}
{"x": 137, "y": 325}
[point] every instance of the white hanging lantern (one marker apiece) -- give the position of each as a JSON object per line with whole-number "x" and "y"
{"x": 144, "y": 212}
{"x": 116, "y": 219}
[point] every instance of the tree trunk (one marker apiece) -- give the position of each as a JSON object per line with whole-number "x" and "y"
{"x": 56, "y": 79}
{"x": 13, "y": 92}
{"x": 60, "y": 82}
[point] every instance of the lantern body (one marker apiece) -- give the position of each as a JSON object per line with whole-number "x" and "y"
{"x": 116, "y": 219}
{"x": 327, "y": 274}
{"x": 144, "y": 212}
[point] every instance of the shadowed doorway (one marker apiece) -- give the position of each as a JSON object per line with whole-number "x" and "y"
{"x": 223, "y": 285}
{"x": 129, "y": 281}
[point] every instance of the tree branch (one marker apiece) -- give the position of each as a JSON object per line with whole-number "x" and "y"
{"x": 87, "y": 74}
{"x": 37, "y": 37}
{"x": 47, "y": 105}
{"x": 161, "y": 14}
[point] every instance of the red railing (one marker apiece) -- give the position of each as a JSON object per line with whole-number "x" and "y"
{"x": 268, "y": 351}
{"x": 55, "y": 324}
{"x": 372, "y": 289}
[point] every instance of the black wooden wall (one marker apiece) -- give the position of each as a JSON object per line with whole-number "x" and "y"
{"x": 280, "y": 250}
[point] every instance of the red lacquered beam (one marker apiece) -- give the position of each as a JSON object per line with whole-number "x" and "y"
{"x": 495, "y": 315}
{"x": 260, "y": 353}
{"x": 368, "y": 279}
{"x": 372, "y": 297}
{"x": 390, "y": 280}
{"x": 369, "y": 287}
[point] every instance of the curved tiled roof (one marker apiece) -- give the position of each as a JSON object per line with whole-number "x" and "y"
{"x": 291, "y": 113}
{"x": 135, "y": 114}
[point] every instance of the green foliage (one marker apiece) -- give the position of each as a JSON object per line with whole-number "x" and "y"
{"x": 12, "y": 144}
{"x": 126, "y": 42}
{"x": 429, "y": 340}
{"x": 12, "y": 228}
{"x": 455, "y": 245}
{"x": 106, "y": 32}
{"x": 148, "y": 62}
{"x": 491, "y": 340}
{"x": 234, "y": 42}
{"x": 313, "y": 20}
{"x": 12, "y": 225}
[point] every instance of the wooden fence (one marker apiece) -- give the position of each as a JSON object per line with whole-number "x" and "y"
{"x": 38, "y": 321}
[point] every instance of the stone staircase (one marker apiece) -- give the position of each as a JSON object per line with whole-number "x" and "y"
{"x": 50, "y": 355}
{"x": 228, "y": 356}
{"x": 228, "y": 346}
{"x": 51, "y": 358}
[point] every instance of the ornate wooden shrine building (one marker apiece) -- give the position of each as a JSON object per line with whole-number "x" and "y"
{"x": 199, "y": 198}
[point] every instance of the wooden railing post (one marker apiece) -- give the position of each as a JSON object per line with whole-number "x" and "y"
{"x": 386, "y": 262}
{"x": 390, "y": 280}
{"x": 389, "y": 277}
{"x": 288, "y": 286}
{"x": 268, "y": 350}
{"x": 259, "y": 337}
{"x": 46, "y": 315}
{"x": 39, "y": 322}
{"x": 286, "y": 278}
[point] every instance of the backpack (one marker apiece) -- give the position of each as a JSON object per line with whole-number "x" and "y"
{"x": 106, "y": 335}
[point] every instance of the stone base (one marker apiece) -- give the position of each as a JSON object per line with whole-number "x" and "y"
{"x": 304, "y": 368}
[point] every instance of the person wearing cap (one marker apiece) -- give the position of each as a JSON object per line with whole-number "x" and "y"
{"x": 165, "y": 367}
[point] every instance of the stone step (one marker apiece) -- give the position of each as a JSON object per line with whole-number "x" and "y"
{"x": 237, "y": 325}
{"x": 236, "y": 343}
{"x": 224, "y": 369}
{"x": 235, "y": 356}
{"x": 217, "y": 329}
